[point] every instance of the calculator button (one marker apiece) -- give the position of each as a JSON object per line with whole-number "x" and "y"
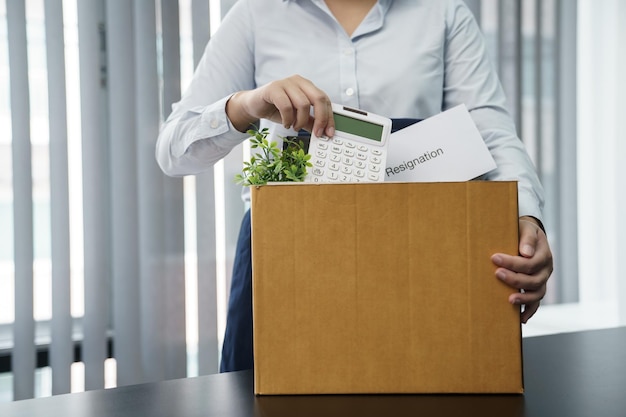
{"x": 339, "y": 159}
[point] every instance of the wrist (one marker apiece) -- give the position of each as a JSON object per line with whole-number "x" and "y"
{"x": 235, "y": 111}
{"x": 535, "y": 221}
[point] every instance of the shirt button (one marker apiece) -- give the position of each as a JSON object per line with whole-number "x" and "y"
{"x": 347, "y": 51}
{"x": 214, "y": 124}
{"x": 349, "y": 92}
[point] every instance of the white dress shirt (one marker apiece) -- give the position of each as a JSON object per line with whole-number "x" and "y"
{"x": 407, "y": 59}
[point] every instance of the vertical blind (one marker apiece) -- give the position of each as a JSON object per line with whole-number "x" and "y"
{"x": 151, "y": 256}
{"x": 61, "y": 326}
{"x": 24, "y": 324}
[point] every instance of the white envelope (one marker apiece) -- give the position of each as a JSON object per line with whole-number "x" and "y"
{"x": 443, "y": 148}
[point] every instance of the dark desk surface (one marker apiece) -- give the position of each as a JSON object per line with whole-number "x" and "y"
{"x": 568, "y": 375}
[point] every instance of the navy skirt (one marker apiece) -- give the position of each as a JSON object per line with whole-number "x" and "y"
{"x": 237, "y": 353}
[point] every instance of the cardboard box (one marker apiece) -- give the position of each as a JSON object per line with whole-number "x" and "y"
{"x": 384, "y": 288}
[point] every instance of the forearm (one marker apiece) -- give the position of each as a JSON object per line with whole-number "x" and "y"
{"x": 192, "y": 141}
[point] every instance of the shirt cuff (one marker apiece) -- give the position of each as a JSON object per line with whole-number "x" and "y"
{"x": 213, "y": 124}
{"x": 528, "y": 206}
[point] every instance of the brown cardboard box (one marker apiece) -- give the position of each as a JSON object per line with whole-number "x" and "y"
{"x": 384, "y": 288}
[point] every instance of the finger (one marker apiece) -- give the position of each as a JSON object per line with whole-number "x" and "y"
{"x": 302, "y": 115}
{"x": 281, "y": 101}
{"x": 529, "y": 311}
{"x": 292, "y": 105}
{"x": 301, "y": 103}
{"x": 322, "y": 121}
{"x": 528, "y": 266}
{"x": 310, "y": 125}
{"x": 530, "y": 300}
{"x": 521, "y": 281}
{"x": 529, "y": 238}
{"x": 290, "y": 101}
{"x": 297, "y": 113}
{"x": 527, "y": 297}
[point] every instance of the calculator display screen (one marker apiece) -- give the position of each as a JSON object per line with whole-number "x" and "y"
{"x": 358, "y": 127}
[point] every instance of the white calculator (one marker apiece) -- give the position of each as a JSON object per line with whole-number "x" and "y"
{"x": 356, "y": 153}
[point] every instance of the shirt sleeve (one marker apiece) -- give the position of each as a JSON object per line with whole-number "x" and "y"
{"x": 197, "y": 134}
{"x": 471, "y": 79}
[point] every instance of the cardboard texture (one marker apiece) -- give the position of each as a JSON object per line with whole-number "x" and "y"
{"x": 384, "y": 288}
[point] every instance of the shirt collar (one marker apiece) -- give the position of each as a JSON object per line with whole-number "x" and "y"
{"x": 384, "y": 3}
{"x": 372, "y": 23}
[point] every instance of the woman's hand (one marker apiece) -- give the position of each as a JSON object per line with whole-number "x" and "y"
{"x": 288, "y": 102}
{"x": 530, "y": 270}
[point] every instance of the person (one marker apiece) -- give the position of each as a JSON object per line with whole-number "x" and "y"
{"x": 281, "y": 63}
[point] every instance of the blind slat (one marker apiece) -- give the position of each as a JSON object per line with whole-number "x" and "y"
{"x": 208, "y": 352}
{"x": 173, "y": 209}
{"x": 233, "y": 208}
{"x": 510, "y": 56}
{"x": 23, "y": 359}
{"x": 124, "y": 202}
{"x": 200, "y": 27}
{"x": 150, "y": 213}
{"x": 170, "y": 36}
{"x": 96, "y": 196}
{"x": 538, "y": 91}
{"x": 567, "y": 227}
{"x": 163, "y": 313}
{"x": 61, "y": 348}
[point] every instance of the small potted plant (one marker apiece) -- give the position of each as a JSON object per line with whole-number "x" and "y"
{"x": 271, "y": 164}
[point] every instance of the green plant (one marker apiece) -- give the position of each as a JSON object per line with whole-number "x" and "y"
{"x": 269, "y": 164}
